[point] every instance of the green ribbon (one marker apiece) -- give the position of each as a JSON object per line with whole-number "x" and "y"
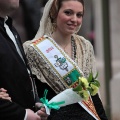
{"x": 53, "y": 105}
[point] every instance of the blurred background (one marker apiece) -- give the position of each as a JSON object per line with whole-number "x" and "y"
{"x": 101, "y": 26}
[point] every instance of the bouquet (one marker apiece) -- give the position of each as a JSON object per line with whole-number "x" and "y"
{"x": 87, "y": 87}
{"x": 82, "y": 91}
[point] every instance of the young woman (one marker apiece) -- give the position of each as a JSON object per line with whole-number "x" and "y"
{"x": 59, "y": 25}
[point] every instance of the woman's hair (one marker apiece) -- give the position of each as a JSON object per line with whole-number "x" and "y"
{"x": 56, "y": 7}
{"x": 48, "y": 20}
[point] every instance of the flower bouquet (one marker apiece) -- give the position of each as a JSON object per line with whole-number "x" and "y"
{"x": 87, "y": 87}
{"x": 82, "y": 91}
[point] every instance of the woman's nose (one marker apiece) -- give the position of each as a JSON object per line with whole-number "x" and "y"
{"x": 74, "y": 18}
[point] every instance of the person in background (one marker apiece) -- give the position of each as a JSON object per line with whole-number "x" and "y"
{"x": 31, "y": 16}
{"x": 60, "y": 23}
{"x": 15, "y": 74}
{"x": 26, "y": 17}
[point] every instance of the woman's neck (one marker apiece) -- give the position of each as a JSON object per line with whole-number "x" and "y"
{"x": 61, "y": 39}
{"x": 64, "y": 41}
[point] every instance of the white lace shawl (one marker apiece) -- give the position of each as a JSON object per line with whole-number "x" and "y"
{"x": 85, "y": 60}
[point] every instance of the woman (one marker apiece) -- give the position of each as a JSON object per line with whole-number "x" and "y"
{"x": 60, "y": 23}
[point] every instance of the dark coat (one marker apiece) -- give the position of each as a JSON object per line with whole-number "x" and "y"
{"x": 13, "y": 77}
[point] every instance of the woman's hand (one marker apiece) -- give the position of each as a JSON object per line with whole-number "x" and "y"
{"x": 4, "y": 94}
{"x": 41, "y": 112}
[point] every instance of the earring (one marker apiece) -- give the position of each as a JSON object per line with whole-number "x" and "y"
{"x": 54, "y": 26}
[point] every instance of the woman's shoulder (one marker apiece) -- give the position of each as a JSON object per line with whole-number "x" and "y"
{"x": 83, "y": 41}
{"x": 27, "y": 44}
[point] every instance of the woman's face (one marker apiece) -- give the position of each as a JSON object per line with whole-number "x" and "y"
{"x": 69, "y": 17}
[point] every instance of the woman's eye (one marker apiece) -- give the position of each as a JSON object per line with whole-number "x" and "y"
{"x": 79, "y": 15}
{"x": 67, "y": 12}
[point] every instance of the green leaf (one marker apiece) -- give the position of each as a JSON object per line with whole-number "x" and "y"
{"x": 89, "y": 89}
{"x": 96, "y": 75}
{"x": 78, "y": 88}
{"x": 90, "y": 77}
{"x": 96, "y": 83}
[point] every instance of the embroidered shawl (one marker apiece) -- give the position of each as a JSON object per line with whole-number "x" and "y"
{"x": 85, "y": 60}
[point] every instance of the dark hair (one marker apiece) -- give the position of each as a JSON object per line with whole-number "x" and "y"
{"x": 56, "y": 7}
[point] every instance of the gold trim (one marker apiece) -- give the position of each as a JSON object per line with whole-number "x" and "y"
{"x": 89, "y": 104}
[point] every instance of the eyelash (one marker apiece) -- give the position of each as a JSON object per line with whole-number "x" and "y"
{"x": 69, "y": 13}
{"x": 80, "y": 15}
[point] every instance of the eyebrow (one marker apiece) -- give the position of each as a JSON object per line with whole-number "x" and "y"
{"x": 73, "y": 10}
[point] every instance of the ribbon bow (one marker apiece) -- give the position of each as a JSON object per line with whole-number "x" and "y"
{"x": 53, "y": 105}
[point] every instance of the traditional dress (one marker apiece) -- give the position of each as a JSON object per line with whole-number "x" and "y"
{"x": 86, "y": 61}
{"x": 82, "y": 57}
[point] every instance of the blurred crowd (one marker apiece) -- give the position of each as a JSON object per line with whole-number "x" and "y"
{"x": 27, "y": 17}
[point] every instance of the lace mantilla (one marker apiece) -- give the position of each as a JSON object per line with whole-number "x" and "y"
{"x": 85, "y": 60}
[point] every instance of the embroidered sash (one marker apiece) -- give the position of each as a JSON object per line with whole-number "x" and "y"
{"x": 63, "y": 67}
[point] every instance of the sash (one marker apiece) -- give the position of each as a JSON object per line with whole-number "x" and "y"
{"x": 63, "y": 66}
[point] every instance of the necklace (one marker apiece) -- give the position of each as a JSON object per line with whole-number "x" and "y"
{"x": 64, "y": 48}
{"x": 73, "y": 47}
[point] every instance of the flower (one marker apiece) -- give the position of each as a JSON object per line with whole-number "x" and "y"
{"x": 84, "y": 94}
{"x": 87, "y": 86}
{"x": 84, "y": 82}
{"x": 94, "y": 89}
